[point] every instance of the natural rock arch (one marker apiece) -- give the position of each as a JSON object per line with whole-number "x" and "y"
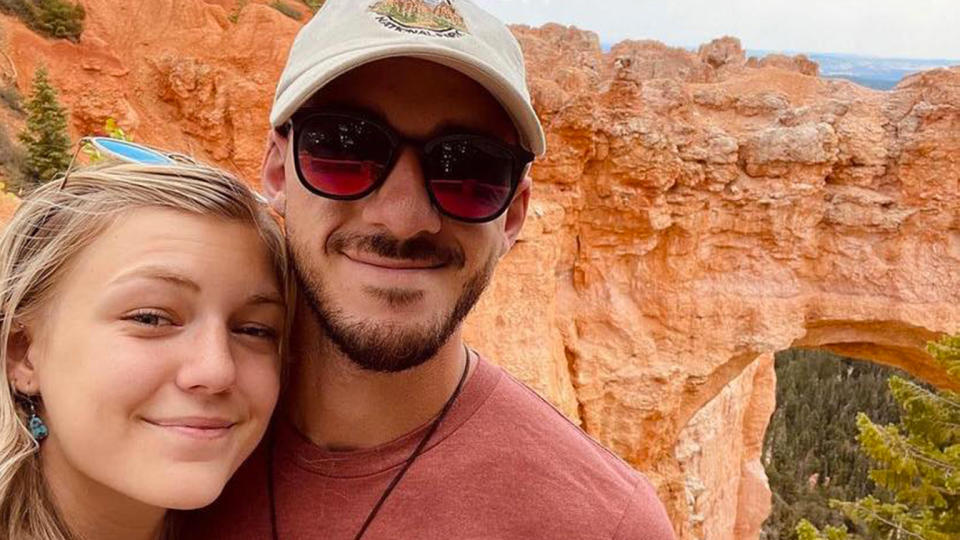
{"x": 684, "y": 230}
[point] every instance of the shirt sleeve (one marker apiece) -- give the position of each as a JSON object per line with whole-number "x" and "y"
{"x": 644, "y": 518}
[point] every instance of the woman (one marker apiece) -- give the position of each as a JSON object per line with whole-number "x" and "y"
{"x": 141, "y": 324}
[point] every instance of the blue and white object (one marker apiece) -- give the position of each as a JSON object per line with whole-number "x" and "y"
{"x": 128, "y": 151}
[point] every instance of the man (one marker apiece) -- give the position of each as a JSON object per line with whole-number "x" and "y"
{"x": 403, "y": 135}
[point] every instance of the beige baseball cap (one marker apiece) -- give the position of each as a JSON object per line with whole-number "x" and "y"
{"x": 345, "y": 34}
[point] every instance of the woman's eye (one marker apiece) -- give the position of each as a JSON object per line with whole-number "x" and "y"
{"x": 257, "y": 331}
{"x": 149, "y": 318}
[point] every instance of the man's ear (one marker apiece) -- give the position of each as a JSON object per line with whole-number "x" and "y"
{"x": 273, "y": 176}
{"x": 20, "y": 370}
{"x": 516, "y": 214}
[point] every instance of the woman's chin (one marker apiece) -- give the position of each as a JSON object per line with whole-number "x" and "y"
{"x": 193, "y": 503}
{"x": 197, "y": 497}
{"x": 183, "y": 491}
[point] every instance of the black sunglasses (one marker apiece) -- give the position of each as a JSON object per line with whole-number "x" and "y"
{"x": 344, "y": 155}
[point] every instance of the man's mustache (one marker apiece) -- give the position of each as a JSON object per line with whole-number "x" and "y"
{"x": 418, "y": 248}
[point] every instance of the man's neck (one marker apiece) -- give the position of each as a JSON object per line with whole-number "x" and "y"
{"x": 339, "y": 406}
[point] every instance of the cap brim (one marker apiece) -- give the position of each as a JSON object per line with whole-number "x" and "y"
{"x": 319, "y": 75}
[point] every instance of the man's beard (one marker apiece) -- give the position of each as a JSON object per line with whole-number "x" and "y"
{"x": 375, "y": 346}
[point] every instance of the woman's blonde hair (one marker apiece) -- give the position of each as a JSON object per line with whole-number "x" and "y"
{"x": 51, "y": 226}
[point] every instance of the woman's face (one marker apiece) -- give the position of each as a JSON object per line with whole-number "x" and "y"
{"x": 157, "y": 359}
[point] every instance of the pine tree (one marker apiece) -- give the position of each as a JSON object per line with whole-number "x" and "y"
{"x": 810, "y": 452}
{"x": 917, "y": 463}
{"x": 45, "y": 136}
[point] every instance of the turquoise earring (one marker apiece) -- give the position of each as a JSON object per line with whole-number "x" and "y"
{"x": 37, "y": 428}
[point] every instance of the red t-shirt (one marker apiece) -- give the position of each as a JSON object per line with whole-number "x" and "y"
{"x": 503, "y": 464}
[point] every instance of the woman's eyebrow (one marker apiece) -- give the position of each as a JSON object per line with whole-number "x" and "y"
{"x": 156, "y": 272}
{"x": 168, "y": 275}
{"x": 265, "y": 298}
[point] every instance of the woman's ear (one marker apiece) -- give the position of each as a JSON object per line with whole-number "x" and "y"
{"x": 20, "y": 371}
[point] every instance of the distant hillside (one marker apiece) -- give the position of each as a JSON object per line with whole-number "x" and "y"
{"x": 879, "y": 73}
{"x": 869, "y": 71}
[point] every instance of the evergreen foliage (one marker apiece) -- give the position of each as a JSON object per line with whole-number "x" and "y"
{"x": 10, "y": 96}
{"x": 916, "y": 464}
{"x": 12, "y": 160}
{"x": 806, "y": 531}
{"x": 810, "y": 453}
{"x": 286, "y": 9}
{"x": 314, "y": 5}
{"x": 45, "y": 136}
{"x": 54, "y": 18}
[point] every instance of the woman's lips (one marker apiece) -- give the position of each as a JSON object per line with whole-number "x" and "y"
{"x": 194, "y": 427}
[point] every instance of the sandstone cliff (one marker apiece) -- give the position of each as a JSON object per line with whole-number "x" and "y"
{"x": 696, "y": 213}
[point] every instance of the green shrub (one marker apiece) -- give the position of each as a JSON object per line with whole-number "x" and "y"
{"x": 10, "y": 95}
{"x": 18, "y": 8}
{"x": 235, "y": 14}
{"x": 314, "y": 5}
{"x": 12, "y": 161}
{"x": 55, "y": 18}
{"x": 286, "y": 9}
{"x": 61, "y": 20}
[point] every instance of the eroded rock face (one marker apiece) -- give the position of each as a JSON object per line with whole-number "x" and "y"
{"x": 695, "y": 213}
{"x": 724, "y": 479}
{"x": 799, "y": 63}
{"x": 174, "y": 73}
{"x": 718, "y": 217}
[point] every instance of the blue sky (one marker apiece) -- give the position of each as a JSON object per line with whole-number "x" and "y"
{"x": 885, "y": 28}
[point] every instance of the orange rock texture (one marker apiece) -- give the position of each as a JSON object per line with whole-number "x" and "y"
{"x": 696, "y": 212}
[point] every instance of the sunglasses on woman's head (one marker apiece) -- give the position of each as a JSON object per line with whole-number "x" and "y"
{"x": 346, "y": 156}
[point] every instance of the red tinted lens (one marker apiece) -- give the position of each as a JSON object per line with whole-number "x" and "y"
{"x": 341, "y": 178}
{"x": 341, "y": 156}
{"x": 470, "y": 178}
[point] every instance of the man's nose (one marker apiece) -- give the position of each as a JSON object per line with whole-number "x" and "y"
{"x": 401, "y": 204}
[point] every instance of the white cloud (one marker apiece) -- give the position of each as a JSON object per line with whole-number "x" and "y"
{"x": 889, "y": 28}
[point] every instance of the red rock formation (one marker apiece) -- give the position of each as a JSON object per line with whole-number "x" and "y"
{"x": 725, "y": 51}
{"x": 799, "y": 63}
{"x": 176, "y": 73}
{"x": 696, "y": 212}
{"x": 703, "y": 221}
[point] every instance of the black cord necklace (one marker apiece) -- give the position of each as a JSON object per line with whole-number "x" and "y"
{"x": 396, "y": 479}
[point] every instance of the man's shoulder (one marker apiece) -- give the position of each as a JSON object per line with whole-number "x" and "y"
{"x": 532, "y": 439}
{"x": 537, "y": 425}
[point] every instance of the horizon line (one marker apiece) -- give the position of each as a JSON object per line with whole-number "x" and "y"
{"x": 606, "y": 45}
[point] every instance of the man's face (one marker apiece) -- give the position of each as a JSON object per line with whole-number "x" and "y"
{"x": 388, "y": 276}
